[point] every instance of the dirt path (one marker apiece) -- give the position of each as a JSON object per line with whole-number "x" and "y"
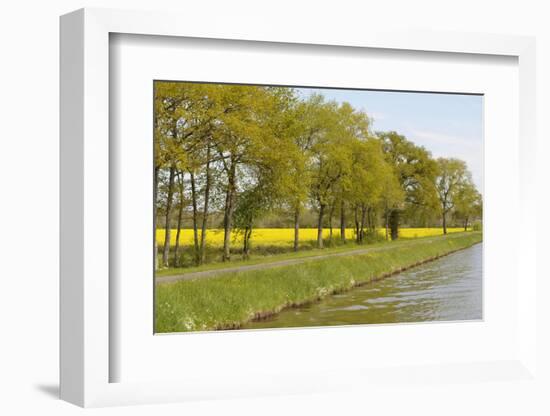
{"x": 287, "y": 262}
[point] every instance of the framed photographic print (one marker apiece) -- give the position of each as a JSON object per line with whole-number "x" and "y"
{"x": 275, "y": 206}
{"x": 248, "y": 214}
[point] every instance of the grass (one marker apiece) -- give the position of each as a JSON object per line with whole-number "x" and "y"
{"x": 228, "y": 301}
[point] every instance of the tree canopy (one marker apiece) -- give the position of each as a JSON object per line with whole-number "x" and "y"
{"x": 232, "y": 155}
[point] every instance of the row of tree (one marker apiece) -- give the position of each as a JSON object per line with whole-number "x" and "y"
{"x": 243, "y": 152}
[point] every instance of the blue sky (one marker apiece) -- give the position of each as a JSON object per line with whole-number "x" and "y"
{"x": 448, "y": 125}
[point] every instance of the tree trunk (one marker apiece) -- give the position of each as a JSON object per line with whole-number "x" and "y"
{"x": 246, "y": 242}
{"x": 195, "y": 219}
{"x": 296, "y": 228}
{"x": 202, "y": 256}
{"x": 362, "y": 229}
{"x": 155, "y": 219}
{"x": 320, "y": 226}
{"x": 371, "y": 220}
{"x": 444, "y": 223}
{"x": 166, "y": 248}
{"x": 331, "y": 214}
{"x": 466, "y": 224}
{"x": 228, "y": 214}
{"x": 356, "y": 213}
{"x": 386, "y": 215}
{"x": 394, "y": 224}
{"x": 180, "y": 214}
{"x": 343, "y": 222}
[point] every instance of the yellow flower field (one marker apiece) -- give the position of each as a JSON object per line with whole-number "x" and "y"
{"x": 285, "y": 236}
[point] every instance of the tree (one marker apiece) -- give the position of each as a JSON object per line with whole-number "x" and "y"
{"x": 356, "y": 183}
{"x": 416, "y": 172}
{"x": 308, "y": 123}
{"x": 366, "y": 180}
{"x": 392, "y": 196}
{"x": 468, "y": 203}
{"x": 269, "y": 175}
{"x": 330, "y": 158}
{"x": 246, "y": 133}
{"x": 252, "y": 204}
{"x": 168, "y": 153}
{"x": 181, "y": 203}
{"x": 246, "y": 152}
{"x": 451, "y": 178}
{"x": 203, "y": 113}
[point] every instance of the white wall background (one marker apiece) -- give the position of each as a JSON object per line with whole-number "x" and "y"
{"x": 29, "y": 205}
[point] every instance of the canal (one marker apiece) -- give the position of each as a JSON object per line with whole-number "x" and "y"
{"x": 446, "y": 289}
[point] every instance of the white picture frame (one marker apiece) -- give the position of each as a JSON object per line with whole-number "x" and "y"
{"x": 86, "y": 356}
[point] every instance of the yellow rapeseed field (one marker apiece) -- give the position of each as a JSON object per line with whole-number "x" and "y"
{"x": 285, "y": 236}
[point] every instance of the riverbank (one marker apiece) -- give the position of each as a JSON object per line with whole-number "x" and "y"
{"x": 229, "y": 301}
{"x": 447, "y": 289}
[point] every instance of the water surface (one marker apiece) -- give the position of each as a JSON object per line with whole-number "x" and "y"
{"x": 447, "y": 289}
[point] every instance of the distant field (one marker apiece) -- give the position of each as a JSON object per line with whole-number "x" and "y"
{"x": 285, "y": 236}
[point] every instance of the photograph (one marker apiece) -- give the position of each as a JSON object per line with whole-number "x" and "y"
{"x": 292, "y": 207}
{"x": 275, "y": 209}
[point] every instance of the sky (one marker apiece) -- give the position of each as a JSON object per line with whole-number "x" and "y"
{"x": 448, "y": 125}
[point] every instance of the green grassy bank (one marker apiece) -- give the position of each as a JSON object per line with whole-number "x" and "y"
{"x": 229, "y": 300}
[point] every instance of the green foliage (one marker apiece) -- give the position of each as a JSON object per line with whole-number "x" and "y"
{"x": 468, "y": 202}
{"x": 415, "y": 172}
{"x": 246, "y": 153}
{"x": 452, "y": 177}
{"x": 456, "y": 191}
{"x": 372, "y": 237}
